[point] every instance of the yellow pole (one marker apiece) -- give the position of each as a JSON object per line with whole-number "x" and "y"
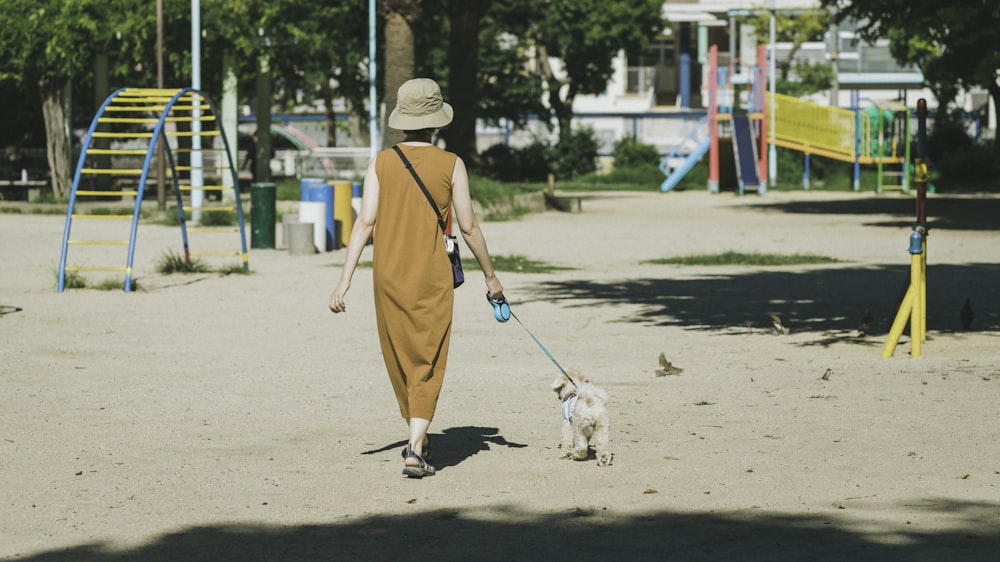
{"x": 923, "y": 292}
{"x": 898, "y": 324}
{"x": 916, "y": 310}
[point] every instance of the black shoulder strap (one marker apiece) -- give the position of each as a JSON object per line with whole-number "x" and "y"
{"x": 422, "y": 187}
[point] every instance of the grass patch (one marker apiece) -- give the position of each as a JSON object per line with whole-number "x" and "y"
{"x": 515, "y": 264}
{"x": 704, "y": 403}
{"x": 115, "y": 285}
{"x": 10, "y": 210}
{"x": 233, "y": 269}
{"x": 111, "y": 211}
{"x": 743, "y": 258}
{"x": 174, "y": 263}
{"x": 218, "y": 218}
{"x": 73, "y": 280}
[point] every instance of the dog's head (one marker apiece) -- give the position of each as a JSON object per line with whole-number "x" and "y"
{"x": 562, "y": 385}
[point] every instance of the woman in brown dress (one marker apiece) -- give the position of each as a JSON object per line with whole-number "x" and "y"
{"x": 414, "y": 293}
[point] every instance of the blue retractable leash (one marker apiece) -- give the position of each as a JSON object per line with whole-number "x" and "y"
{"x": 502, "y": 312}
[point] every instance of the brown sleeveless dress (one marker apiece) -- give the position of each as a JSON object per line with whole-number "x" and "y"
{"x": 414, "y": 294}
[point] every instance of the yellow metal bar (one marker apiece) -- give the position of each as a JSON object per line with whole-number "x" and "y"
{"x": 205, "y": 188}
{"x": 99, "y": 242}
{"x": 137, "y": 151}
{"x": 127, "y": 119}
{"x": 923, "y": 293}
{"x": 122, "y": 193}
{"x": 103, "y": 217}
{"x": 113, "y": 171}
{"x": 210, "y": 209}
{"x": 121, "y": 269}
{"x": 898, "y": 325}
{"x": 916, "y": 313}
{"x": 212, "y": 133}
{"x": 214, "y": 230}
{"x": 134, "y": 108}
{"x": 109, "y": 135}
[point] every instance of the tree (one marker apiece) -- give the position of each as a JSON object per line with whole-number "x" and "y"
{"x": 956, "y": 45}
{"x": 585, "y": 36}
{"x": 795, "y": 29}
{"x": 400, "y": 16}
{"x": 463, "y": 74}
{"x": 53, "y": 42}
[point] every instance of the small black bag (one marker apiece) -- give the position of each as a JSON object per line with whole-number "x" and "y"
{"x": 457, "y": 275}
{"x": 450, "y": 242}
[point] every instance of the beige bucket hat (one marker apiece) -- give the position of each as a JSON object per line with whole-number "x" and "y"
{"x": 419, "y": 105}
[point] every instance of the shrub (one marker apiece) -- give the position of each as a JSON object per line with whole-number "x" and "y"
{"x": 575, "y": 154}
{"x": 629, "y": 152}
{"x": 506, "y": 164}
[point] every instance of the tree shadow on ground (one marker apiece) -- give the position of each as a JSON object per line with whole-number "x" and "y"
{"x": 952, "y": 213}
{"x": 457, "y": 444}
{"x": 823, "y": 300}
{"x": 585, "y": 533}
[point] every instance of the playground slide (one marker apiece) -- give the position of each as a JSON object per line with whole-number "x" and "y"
{"x": 697, "y": 136}
{"x": 745, "y": 152}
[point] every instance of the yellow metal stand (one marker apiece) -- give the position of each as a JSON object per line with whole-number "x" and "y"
{"x": 914, "y": 305}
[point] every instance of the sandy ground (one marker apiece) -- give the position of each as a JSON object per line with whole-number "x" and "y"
{"x": 212, "y": 417}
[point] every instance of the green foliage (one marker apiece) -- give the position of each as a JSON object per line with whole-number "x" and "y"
{"x": 218, "y": 218}
{"x": 515, "y": 263}
{"x": 629, "y": 152}
{"x": 233, "y": 269}
{"x": 810, "y": 78}
{"x": 73, "y": 280}
{"x": 575, "y": 154}
{"x": 744, "y": 259}
{"x": 528, "y": 164}
{"x": 112, "y": 284}
{"x": 171, "y": 263}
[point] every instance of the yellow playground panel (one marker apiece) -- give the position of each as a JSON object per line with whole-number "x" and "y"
{"x": 876, "y": 135}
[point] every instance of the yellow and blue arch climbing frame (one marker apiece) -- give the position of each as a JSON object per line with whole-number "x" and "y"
{"x": 115, "y": 162}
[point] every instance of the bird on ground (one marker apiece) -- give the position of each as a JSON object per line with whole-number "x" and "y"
{"x": 667, "y": 368}
{"x": 967, "y": 315}
{"x": 779, "y": 328}
{"x": 865, "y": 324}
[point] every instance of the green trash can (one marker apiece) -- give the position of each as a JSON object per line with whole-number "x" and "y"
{"x": 262, "y": 204}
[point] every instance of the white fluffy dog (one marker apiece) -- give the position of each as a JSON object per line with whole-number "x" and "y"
{"x": 585, "y": 418}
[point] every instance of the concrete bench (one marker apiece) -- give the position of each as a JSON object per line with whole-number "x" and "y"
{"x": 18, "y": 190}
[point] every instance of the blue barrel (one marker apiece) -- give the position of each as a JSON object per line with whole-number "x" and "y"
{"x": 305, "y": 184}
{"x": 324, "y": 193}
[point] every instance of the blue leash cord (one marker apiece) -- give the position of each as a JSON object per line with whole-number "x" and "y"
{"x": 502, "y": 312}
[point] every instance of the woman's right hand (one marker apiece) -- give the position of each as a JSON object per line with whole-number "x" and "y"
{"x": 493, "y": 287}
{"x": 337, "y": 303}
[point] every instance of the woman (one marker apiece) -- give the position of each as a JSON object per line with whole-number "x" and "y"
{"x": 414, "y": 292}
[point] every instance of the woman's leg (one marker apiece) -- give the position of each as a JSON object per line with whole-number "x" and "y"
{"x": 418, "y": 434}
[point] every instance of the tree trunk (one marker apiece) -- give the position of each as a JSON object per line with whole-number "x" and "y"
{"x": 57, "y": 143}
{"x": 463, "y": 70}
{"x": 563, "y": 109}
{"x": 994, "y": 90}
{"x": 326, "y": 92}
{"x": 400, "y": 15}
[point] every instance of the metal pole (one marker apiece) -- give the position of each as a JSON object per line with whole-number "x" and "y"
{"x": 772, "y": 158}
{"x": 197, "y": 194}
{"x": 161, "y": 165}
{"x": 372, "y": 100}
